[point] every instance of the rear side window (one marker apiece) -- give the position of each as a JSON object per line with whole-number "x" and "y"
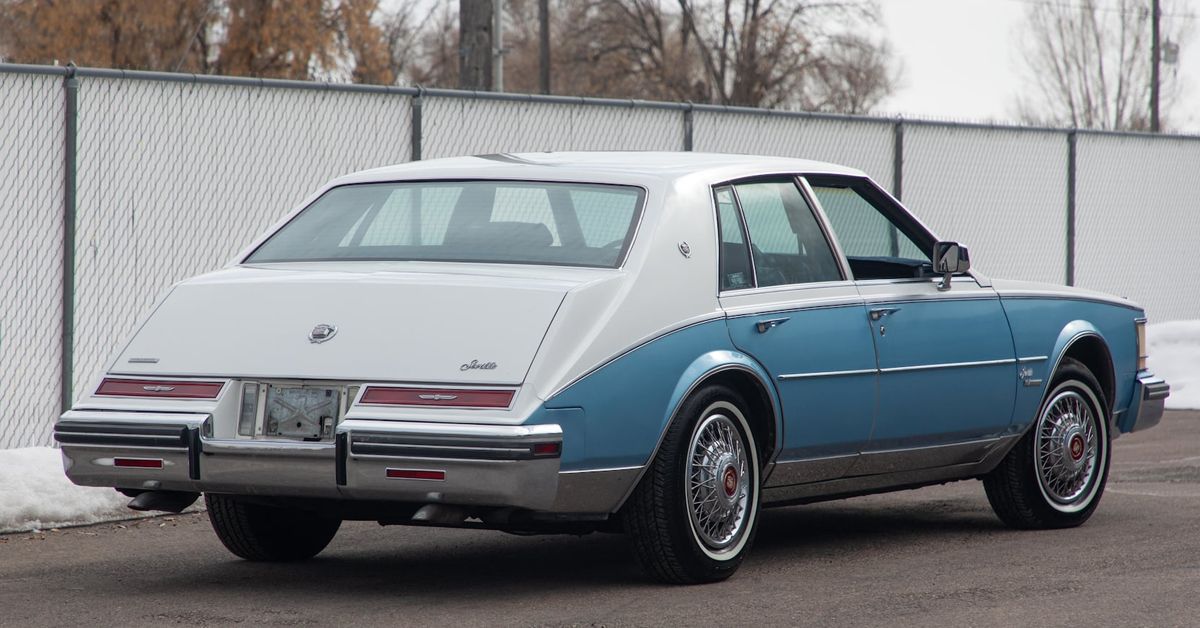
{"x": 736, "y": 270}
{"x": 786, "y": 242}
{"x": 508, "y": 222}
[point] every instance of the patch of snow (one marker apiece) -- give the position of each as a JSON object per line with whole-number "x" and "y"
{"x": 36, "y": 494}
{"x": 1174, "y": 349}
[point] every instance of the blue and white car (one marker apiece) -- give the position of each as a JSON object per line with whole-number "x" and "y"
{"x": 657, "y": 343}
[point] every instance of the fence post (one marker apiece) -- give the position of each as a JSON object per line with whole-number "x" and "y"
{"x": 416, "y": 125}
{"x": 70, "y": 120}
{"x": 1071, "y": 158}
{"x": 688, "y": 127}
{"x": 898, "y": 159}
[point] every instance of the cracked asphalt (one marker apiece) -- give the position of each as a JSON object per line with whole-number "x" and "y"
{"x": 934, "y": 556}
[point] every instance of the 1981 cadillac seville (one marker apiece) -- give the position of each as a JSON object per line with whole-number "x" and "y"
{"x": 655, "y": 343}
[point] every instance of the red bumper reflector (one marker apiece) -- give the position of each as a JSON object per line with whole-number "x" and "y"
{"x": 416, "y": 474}
{"x": 547, "y": 449}
{"x": 138, "y": 463}
{"x": 162, "y": 389}
{"x": 437, "y": 397}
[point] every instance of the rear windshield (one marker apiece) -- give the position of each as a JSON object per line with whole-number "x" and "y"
{"x": 508, "y": 222}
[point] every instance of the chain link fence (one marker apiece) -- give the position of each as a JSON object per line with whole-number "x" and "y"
{"x": 176, "y": 173}
{"x": 31, "y": 251}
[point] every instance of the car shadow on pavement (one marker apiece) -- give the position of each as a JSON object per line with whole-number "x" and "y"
{"x": 443, "y": 564}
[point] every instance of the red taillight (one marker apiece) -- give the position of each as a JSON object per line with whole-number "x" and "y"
{"x": 416, "y": 474}
{"x": 437, "y": 397}
{"x": 162, "y": 389}
{"x": 138, "y": 463}
{"x": 547, "y": 449}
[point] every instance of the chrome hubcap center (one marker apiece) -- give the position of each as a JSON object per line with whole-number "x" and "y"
{"x": 730, "y": 481}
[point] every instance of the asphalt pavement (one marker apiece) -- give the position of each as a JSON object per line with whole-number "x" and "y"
{"x": 930, "y": 557}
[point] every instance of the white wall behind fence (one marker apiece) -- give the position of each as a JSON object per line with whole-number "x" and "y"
{"x": 31, "y": 198}
{"x": 1138, "y": 232}
{"x": 459, "y": 126}
{"x": 175, "y": 178}
{"x": 1003, "y": 193}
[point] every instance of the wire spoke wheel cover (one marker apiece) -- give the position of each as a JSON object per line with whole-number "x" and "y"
{"x": 1068, "y": 449}
{"x": 718, "y": 475}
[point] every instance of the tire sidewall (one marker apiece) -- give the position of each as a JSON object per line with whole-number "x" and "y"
{"x": 1075, "y": 377}
{"x": 1098, "y": 480}
{"x": 717, "y": 565}
{"x": 732, "y": 411}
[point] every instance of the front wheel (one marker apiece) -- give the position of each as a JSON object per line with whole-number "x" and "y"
{"x": 693, "y": 516}
{"x": 267, "y": 533}
{"x": 1055, "y": 475}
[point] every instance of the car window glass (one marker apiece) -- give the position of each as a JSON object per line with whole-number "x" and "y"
{"x": 603, "y": 216}
{"x": 396, "y": 220}
{"x": 861, "y": 229}
{"x": 525, "y": 205}
{"x": 735, "y": 266}
{"x": 508, "y": 222}
{"x": 786, "y": 241}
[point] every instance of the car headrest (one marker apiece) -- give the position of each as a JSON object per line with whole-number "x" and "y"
{"x": 509, "y": 234}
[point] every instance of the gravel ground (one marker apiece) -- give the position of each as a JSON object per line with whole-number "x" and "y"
{"x": 935, "y": 556}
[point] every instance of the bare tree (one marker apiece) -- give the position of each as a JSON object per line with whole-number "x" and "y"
{"x": 131, "y": 34}
{"x": 1090, "y": 64}
{"x": 812, "y": 54}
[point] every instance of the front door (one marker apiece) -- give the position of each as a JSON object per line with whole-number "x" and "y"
{"x": 947, "y": 368}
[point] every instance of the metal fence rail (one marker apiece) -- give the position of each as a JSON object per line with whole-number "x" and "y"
{"x": 131, "y": 181}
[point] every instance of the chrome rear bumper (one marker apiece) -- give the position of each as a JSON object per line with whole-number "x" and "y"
{"x": 471, "y": 465}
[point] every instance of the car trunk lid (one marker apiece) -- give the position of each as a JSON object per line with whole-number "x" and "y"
{"x": 362, "y": 326}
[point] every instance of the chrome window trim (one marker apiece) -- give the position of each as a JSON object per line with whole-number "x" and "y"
{"x": 815, "y": 205}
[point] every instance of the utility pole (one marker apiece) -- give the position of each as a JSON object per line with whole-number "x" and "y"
{"x": 1156, "y": 58}
{"x": 475, "y": 23}
{"x": 498, "y": 45}
{"x": 544, "y": 45}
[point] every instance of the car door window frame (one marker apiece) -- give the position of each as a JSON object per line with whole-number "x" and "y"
{"x": 814, "y": 209}
{"x": 901, "y": 219}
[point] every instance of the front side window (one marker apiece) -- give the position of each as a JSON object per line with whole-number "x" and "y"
{"x": 876, "y": 245}
{"x": 786, "y": 241}
{"x": 510, "y": 222}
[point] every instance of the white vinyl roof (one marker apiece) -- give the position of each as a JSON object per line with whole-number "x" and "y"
{"x": 599, "y": 166}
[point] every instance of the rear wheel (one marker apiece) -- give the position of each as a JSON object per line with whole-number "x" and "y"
{"x": 693, "y": 516}
{"x": 1055, "y": 476}
{"x": 268, "y": 533}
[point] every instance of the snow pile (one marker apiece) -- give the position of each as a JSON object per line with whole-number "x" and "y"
{"x": 36, "y": 494}
{"x": 1174, "y": 349}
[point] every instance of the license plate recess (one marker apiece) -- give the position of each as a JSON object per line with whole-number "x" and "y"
{"x": 301, "y": 412}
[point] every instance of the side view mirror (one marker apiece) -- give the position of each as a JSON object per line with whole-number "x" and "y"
{"x": 950, "y": 258}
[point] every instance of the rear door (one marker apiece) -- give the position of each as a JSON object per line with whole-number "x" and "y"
{"x": 947, "y": 373}
{"x": 791, "y": 306}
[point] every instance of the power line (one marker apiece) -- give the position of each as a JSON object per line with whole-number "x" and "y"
{"x": 1144, "y": 10}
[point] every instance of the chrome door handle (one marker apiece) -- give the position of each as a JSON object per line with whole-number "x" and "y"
{"x": 881, "y": 312}
{"x": 764, "y": 326}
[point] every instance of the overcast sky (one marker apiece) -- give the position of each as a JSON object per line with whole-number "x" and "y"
{"x": 962, "y": 59}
